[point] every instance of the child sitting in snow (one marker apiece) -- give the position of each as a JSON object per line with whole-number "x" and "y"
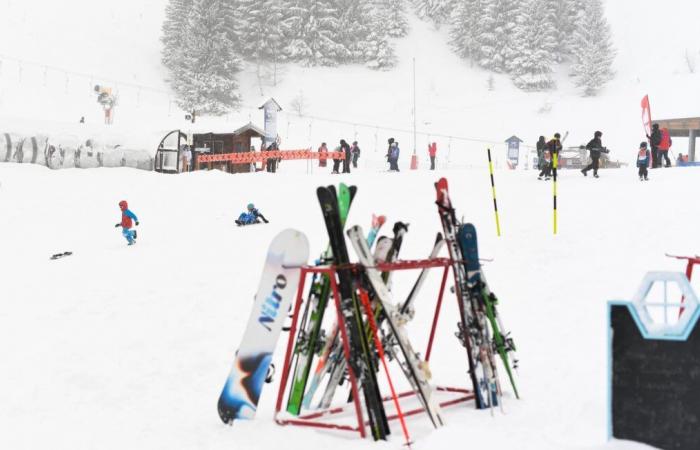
{"x": 643, "y": 161}
{"x": 127, "y": 216}
{"x": 250, "y": 216}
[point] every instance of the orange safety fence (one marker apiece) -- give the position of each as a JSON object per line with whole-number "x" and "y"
{"x": 250, "y": 157}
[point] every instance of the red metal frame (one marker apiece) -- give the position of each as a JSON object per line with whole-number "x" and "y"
{"x": 692, "y": 260}
{"x": 312, "y": 419}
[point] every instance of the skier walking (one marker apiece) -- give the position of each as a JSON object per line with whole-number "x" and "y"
{"x": 432, "y": 151}
{"x": 643, "y": 161}
{"x": 355, "y": 150}
{"x": 595, "y": 146}
{"x": 250, "y": 216}
{"x": 126, "y": 223}
{"x": 336, "y": 160}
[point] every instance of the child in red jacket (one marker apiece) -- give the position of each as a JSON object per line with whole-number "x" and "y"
{"x": 127, "y": 217}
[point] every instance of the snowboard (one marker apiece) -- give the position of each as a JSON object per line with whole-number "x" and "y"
{"x": 276, "y": 291}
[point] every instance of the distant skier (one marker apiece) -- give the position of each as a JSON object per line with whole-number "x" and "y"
{"x": 643, "y": 158}
{"x": 432, "y": 151}
{"x": 390, "y": 141}
{"x": 336, "y": 160}
{"x": 595, "y": 146}
{"x": 553, "y": 147}
{"x": 345, "y": 148}
{"x": 394, "y": 158}
{"x": 322, "y": 157}
{"x": 127, "y": 217}
{"x": 251, "y": 216}
{"x": 664, "y": 146}
{"x": 355, "y": 150}
{"x": 655, "y": 140}
{"x": 541, "y": 146}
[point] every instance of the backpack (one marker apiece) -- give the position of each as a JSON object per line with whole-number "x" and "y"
{"x": 665, "y": 142}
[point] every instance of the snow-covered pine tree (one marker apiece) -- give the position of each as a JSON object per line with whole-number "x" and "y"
{"x": 311, "y": 32}
{"x": 593, "y": 53}
{"x": 495, "y": 39}
{"x": 466, "y": 28}
{"x": 363, "y": 35}
{"x": 258, "y": 25}
{"x": 204, "y": 78}
{"x": 437, "y": 11}
{"x": 393, "y": 13}
{"x": 534, "y": 46}
{"x": 176, "y": 13}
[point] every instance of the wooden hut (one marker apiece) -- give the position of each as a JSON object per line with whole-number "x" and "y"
{"x": 238, "y": 141}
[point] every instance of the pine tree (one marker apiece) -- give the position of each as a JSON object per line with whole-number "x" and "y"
{"x": 363, "y": 36}
{"x": 534, "y": 46}
{"x": 258, "y": 25}
{"x": 497, "y": 23}
{"x": 311, "y": 32}
{"x": 466, "y": 29}
{"x": 204, "y": 78}
{"x": 176, "y": 13}
{"x": 437, "y": 11}
{"x": 393, "y": 13}
{"x": 592, "y": 50}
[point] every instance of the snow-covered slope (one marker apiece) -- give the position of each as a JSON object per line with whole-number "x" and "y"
{"x": 117, "y": 44}
{"x": 128, "y": 347}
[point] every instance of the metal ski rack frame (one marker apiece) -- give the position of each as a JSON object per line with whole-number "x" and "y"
{"x": 692, "y": 260}
{"x": 313, "y": 418}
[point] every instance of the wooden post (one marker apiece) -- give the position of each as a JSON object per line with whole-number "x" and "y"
{"x": 691, "y": 145}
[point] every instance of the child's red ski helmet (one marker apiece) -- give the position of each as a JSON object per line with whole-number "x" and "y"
{"x": 123, "y": 205}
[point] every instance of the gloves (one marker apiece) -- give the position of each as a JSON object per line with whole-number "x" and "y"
{"x": 137, "y": 223}
{"x": 265, "y": 220}
{"x": 117, "y": 225}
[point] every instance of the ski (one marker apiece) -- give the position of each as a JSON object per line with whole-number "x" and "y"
{"x": 501, "y": 342}
{"x": 362, "y": 361}
{"x": 407, "y": 307}
{"x": 278, "y": 285}
{"x": 469, "y": 328}
{"x": 414, "y": 368}
{"x": 310, "y": 331}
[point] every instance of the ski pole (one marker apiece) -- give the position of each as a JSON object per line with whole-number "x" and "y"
{"x": 493, "y": 191}
{"x": 555, "y": 159}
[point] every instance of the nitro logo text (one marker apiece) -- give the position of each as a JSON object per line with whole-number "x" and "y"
{"x": 271, "y": 304}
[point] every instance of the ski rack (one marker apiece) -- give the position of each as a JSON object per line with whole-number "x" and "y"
{"x": 312, "y": 419}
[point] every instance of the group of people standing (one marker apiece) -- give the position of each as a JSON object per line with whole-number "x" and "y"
{"x": 545, "y": 152}
{"x": 351, "y": 153}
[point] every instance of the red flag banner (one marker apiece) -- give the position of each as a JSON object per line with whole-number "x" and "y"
{"x": 249, "y": 157}
{"x": 646, "y": 115}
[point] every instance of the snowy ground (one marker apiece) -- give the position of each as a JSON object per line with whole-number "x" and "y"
{"x": 128, "y": 347}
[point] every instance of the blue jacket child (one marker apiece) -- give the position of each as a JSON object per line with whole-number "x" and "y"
{"x": 127, "y": 216}
{"x": 250, "y": 216}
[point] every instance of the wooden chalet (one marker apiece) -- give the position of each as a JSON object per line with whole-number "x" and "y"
{"x": 238, "y": 141}
{"x": 687, "y": 127}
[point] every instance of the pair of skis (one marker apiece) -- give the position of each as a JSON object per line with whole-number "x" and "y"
{"x": 478, "y": 316}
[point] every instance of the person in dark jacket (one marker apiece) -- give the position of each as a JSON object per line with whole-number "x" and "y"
{"x": 553, "y": 147}
{"x": 388, "y": 152}
{"x": 595, "y": 146}
{"x": 345, "y": 148}
{"x": 643, "y": 161}
{"x": 336, "y": 160}
{"x": 541, "y": 145}
{"x": 355, "y": 150}
{"x": 655, "y": 140}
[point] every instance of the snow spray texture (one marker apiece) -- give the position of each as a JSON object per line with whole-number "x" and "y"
{"x": 278, "y": 285}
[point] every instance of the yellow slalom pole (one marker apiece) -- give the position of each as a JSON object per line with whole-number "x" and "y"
{"x": 493, "y": 191}
{"x": 555, "y": 160}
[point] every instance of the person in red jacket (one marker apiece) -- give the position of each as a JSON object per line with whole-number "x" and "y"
{"x": 664, "y": 145}
{"x": 432, "y": 151}
{"x": 127, "y": 216}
